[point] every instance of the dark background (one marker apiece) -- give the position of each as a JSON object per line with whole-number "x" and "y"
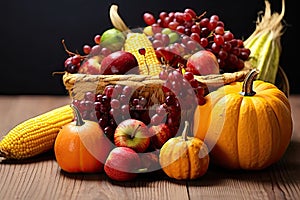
{"x": 32, "y": 30}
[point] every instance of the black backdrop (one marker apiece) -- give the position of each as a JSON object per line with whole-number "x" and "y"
{"x": 32, "y": 30}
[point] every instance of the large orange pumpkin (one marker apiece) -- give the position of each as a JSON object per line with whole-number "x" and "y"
{"x": 81, "y": 146}
{"x": 246, "y": 125}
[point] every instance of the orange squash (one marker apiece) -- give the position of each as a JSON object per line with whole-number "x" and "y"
{"x": 246, "y": 125}
{"x": 81, "y": 146}
{"x": 183, "y": 157}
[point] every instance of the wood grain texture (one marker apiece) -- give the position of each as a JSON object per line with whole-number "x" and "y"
{"x": 41, "y": 177}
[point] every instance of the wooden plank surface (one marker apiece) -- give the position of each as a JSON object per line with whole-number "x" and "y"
{"x": 41, "y": 177}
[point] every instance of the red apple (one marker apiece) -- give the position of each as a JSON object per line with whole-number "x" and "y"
{"x": 119, "y": 62}
{"x": 150, "y": 161}
{"x": 168, "y": 57}
{"x": 160, "y": 134}
{"x": 132, "y": 133}
{"x": 91, "y": 65}
{"x": 122, "y": 164}
{"x": 202, "y": 62}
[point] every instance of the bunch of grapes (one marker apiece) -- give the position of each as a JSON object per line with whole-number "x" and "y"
{"x": 208, "y": 32}
{"x": 184, "y": 86}
{"x": 118, "y": 102}
{"x": 74, "y": 60}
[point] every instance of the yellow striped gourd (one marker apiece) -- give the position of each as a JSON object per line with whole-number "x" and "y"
{"x": 35, "y": 135}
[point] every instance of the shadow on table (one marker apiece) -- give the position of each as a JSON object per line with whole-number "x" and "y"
{"x": 288, "y": 167}
{"x": 49, "y": 155}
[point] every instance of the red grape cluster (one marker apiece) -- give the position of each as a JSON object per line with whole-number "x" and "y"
{"x": 74, "y": 61}
{"x": 185, "y": 87}
{"x": 208, "y": 32}
{"x": 117, "y": 103}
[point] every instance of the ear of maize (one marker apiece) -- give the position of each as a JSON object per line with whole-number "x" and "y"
{"x": 148, "y": 63}
{"x": 264, "y": 43}
{"x": 35, "y": 135}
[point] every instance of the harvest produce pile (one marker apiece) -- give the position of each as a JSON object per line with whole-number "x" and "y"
{"x": 159, "y": 97}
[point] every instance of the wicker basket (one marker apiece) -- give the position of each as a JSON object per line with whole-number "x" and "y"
{"x": 149, "y": 87}
{"x": 145, "y": 85}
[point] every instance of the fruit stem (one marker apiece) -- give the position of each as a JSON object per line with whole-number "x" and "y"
{"x": 200, "y": 16}
{"x": 70, "y": 52}
{"x": 57, "y": 73}
{"x": 141, "y": 170}
{"x": 135, "y": 131}
{"x": 247, "y": 89}
{"x": 185, "y": 131}
{"x": 78, "y": 118}
{"x": 66, "y": 49}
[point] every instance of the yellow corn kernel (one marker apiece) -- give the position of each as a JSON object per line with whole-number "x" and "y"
{"x": 148, "y": 63}
{"x": 35, "y": 135}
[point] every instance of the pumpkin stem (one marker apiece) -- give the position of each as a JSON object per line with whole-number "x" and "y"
{"x": 247, "y": 89}
{"x": 185, "y": 130}
{"x": 78, "y": 118}
{"x": 134, "y": 132}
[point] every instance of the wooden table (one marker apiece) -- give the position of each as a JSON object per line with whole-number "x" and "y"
{"x": 41, "y": 178}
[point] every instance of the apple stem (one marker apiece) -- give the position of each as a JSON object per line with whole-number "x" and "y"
{"x": 185, "y": 130}
{"x": 135, "y": 131}
{"x": 142, "y": 170}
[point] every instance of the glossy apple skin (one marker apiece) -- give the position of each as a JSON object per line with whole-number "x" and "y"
{"x": 202, "y": 62}
{"x": 119, "y": 62}
{"x": 122, "y": 164}
{"x": 91, "y": 66}
{"x": 150, "y": 161}
{"x": 123, "y": 136}
{"x": 160, "y": 134}
{"x": 168, "y": 57}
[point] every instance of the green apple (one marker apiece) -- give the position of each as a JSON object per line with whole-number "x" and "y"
{"x": 112, "y": 39}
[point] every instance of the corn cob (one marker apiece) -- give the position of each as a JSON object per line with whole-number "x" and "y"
{"x": 264, "y": 44}
{"x": 148, "y": 62}
{"x": 134, "y": 43}
{"x": 35, "y": 135}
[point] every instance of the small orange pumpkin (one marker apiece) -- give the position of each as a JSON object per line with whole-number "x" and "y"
{"x": 81, "y": 146}
{"x": 245, "y": 130}
{"x": 184, "y": 157}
